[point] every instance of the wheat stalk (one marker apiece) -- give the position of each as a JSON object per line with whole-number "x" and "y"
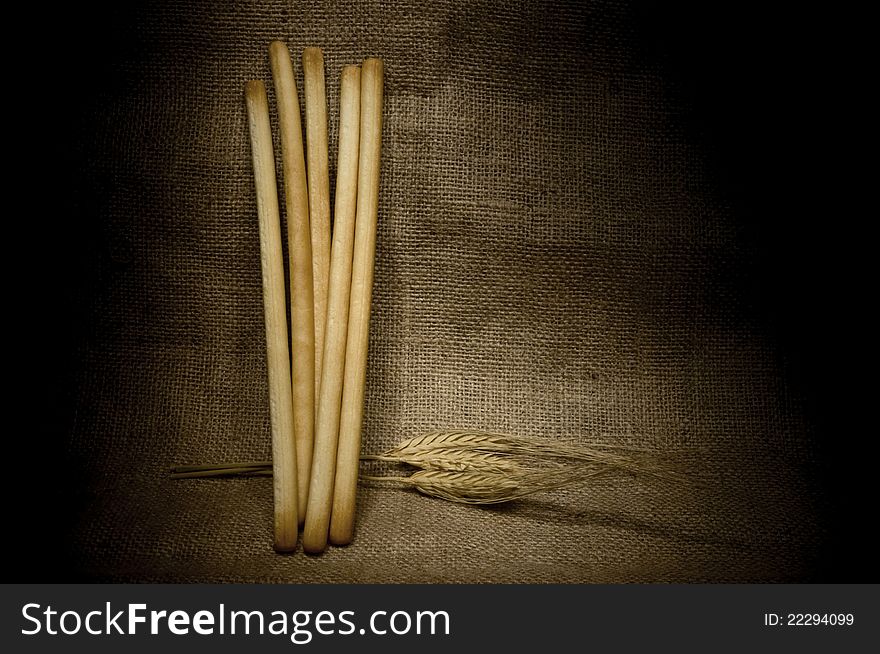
{"x": 503, "y": 444}
{"x": 487, "y": 487}
{"x": 475, "y": 467}
{"x": 467, "y": 487}
{"x": 432, "y": 450}
{"x": 450, "y": 459}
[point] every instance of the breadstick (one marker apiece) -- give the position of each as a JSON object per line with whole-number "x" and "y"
{"x": 278, "y": 364}
{"x": 348, "y": 453}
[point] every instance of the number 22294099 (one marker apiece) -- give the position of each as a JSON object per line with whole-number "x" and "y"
{"x": 809, "y": 619}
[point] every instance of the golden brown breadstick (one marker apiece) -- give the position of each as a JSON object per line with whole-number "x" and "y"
{"x": 348, "y": 451}
{"x": 280, "y": 403}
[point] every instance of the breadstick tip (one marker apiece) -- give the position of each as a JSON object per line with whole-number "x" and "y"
{"x": 278, "y": 49}
{"x": 254, "y": 88}
{"x": 351, "y": 72}
{"x": 313, "y": 54}
{"x": 374, "y": 62}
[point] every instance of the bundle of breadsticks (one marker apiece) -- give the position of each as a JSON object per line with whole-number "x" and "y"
{"x": 316, "y": 387}
{"x": 317, "y": 375}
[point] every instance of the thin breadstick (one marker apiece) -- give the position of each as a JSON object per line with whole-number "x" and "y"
{"x": 278, "y": 363}
{"x": 348, "y": 451}
{"x": 299, "y": 247}
{"x": 327, "y": 428}
{"x": 319, "y": 193}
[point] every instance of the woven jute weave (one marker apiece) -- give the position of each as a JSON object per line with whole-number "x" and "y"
{"x": 553, "y": 260}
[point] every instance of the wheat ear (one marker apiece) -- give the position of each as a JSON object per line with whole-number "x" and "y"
{"x": 475, "y": 467}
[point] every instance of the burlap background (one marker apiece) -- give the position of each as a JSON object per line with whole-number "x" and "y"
{"x": 553, "y": 259}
